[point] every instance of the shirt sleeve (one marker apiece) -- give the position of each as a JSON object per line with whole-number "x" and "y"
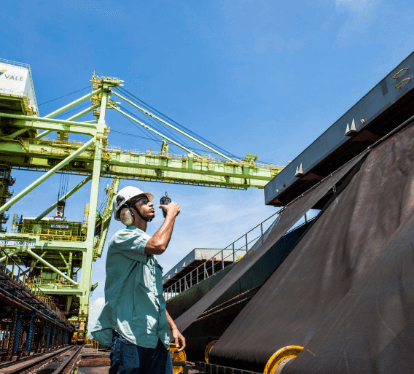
{"x": 132, "y": 243}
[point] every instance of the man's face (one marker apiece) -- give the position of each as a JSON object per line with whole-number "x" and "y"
{"x": 146, "y": 208}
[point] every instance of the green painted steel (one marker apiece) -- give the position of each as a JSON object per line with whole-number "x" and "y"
{"x": 46, "y": 176}
{"x": 78, "y": 115}
{"x": 87, "y": 259}
{"x": 17, "y": 251}
{"x": 64, "y": 197}
{"x": 107, "y": 215}
{"x": 142, "y": 166}
{"x": 73, "y": 103}
{"x": 44, "y": 227}
{"x": 51, "y": 266}
{"x": 16, "y": 133}
{"x": 46, "y": 120}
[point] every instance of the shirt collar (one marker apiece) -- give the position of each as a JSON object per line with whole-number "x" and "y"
{"x": 132, "y": 227}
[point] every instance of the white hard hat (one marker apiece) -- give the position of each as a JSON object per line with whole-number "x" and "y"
{"x": 126, "y": 194}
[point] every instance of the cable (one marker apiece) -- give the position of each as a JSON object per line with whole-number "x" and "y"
{"x": 181, "y": 126}
{"x": 64, "y": 95}
{"x": 187, "y": 129}
{"x": 177, "y": 140}
{"x": 73, "y": 110}
{"x": 141, "y": 137}
{"x": 140, "y": 127}
{"x": 155, "y": 110}
{"x": 67, "y": 184}
{"x": 136, "y": 136}
{"x": 154, "y": 140}
{"x": 162, "y": 127}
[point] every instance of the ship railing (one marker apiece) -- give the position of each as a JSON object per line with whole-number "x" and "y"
{"x": 223, "y": 258}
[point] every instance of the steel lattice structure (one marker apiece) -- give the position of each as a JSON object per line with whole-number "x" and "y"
{"x": 58, "y": 249}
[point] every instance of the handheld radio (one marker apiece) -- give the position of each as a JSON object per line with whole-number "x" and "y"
{"x": 165, "y": 200}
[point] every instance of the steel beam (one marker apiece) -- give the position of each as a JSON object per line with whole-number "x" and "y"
{"x": 16, "y": 133}
{"x": 70, "y": 193}
{"x": 50, "y": 127}
{"x": 108, "y": 215}
{"x": 87, "y": 256}
{"x": 73, "y": 103}
{"x": 51, "y": 267}
{"x": 45, "y": 120}
{"x": 46, "y": 176}
{"x": 12, "y": 254}
{"x": 64, "y": 260}
{"x": 80, "y": 114}
{"x": 62, "y": 291}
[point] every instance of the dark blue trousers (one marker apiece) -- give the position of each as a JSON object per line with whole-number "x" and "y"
{"x": 128, "y": 358}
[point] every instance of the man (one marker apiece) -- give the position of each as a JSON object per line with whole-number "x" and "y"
{"x": 134, "y": 321}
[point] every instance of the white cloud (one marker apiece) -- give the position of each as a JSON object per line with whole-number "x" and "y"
{"x": 361, "y": 7}
{"x": 95, "y": 7}
{"x": 361, "y": 14}
{"x": 94, "y": 310}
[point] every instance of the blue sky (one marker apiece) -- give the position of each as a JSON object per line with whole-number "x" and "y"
{"x": 260, "y": 77}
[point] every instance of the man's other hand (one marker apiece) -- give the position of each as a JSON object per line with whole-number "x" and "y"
{"x": 178, "y": 338}
{"x": 171, "y": 209}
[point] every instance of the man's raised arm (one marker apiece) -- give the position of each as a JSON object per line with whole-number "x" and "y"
{"x": 159, "y": 241}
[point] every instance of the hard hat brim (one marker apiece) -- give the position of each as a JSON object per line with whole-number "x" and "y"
{"x": 148, "y": 195}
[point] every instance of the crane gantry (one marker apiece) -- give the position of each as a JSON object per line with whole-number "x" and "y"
{"x": 53, "y": 248}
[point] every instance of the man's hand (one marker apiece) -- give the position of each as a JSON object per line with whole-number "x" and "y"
{"x": 178, "y": 339}
{"x": 171, "y": 209}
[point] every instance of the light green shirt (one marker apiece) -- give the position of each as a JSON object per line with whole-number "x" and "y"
{"x": 134, "y": 304}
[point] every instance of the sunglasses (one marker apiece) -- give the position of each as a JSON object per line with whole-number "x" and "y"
{"x": 143, "y": 201}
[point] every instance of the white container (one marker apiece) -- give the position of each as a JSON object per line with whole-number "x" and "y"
{"x": 16, "y": 79}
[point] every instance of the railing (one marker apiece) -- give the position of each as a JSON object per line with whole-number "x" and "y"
{"x": 202, "y": 272}
{"x": 58, "y": 235}
{"x": 15, "y": 63}
{"x": 31, "y": 284}
{"x": 156, "y": 154}
{"x": 231, "y": 253}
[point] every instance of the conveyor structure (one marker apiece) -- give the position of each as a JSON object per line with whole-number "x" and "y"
{"x": 30, "y": 322}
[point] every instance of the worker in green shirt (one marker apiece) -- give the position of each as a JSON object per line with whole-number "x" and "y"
{"x": 134, "y": 321}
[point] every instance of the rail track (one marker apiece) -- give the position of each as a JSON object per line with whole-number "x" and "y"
{"x": 6, "y": 364}
{"x": 41, "y": 363}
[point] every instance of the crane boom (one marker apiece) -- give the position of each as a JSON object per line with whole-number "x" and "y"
{"x": 151, "y": 166}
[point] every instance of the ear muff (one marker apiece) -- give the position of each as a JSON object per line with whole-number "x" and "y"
{"x": 126, "y": 216}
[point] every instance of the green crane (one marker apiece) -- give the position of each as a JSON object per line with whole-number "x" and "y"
{"x": 55, "y": 250}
